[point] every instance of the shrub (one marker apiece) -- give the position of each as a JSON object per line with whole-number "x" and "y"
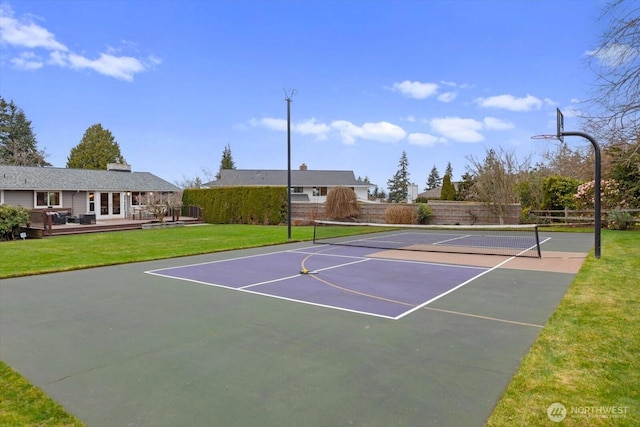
{"x": 401, "y": 214}
{"x": 11, "y": 218}
{"x": 559, "y": 192}
{"x": 610, "y": 195}
{"x": 425, "y": 213}
{"x": 620, "y": 220}
{"x": 342, "y": 203}
{"x": 448, "y": 189}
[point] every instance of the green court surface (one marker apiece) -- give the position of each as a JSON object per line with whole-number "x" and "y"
{"x": 118, "y": 347}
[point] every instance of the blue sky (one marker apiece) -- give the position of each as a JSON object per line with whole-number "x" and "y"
{"x": 176, "y": 81}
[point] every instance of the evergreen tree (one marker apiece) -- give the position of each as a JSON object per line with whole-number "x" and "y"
{"x": 434, "y": 179}
{"x": 465, "y": 187}
{"x": 449, "y": 170}
{"x": 227, "y": 160}
{"x": 97, "y": 148}
{"x": 18, "y": 145}
{"x": 399, "y": 184}
{"x": 448, "y": 189}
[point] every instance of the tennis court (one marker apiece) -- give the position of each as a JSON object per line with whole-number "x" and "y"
{"x": 297, "y": 334}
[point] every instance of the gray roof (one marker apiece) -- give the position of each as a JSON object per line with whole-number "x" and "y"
{"x": 299, "y": 178}
{"x": 62, "y": 179}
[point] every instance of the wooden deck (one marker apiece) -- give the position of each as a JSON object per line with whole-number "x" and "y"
{"x": 38, "y": 231}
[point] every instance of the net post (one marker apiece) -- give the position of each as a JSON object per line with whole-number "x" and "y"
{"x": 538, "y": 241}
{"x": 315, "y": 224}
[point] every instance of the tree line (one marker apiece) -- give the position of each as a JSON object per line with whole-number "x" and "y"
{"x": 19, "y": 146}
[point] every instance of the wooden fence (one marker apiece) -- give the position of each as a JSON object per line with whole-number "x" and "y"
{"x": 570, "y": 216}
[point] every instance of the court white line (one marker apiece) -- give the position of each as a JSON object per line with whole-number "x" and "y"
{"x": 455, "y": 288}
{"x": 301, "y": 251}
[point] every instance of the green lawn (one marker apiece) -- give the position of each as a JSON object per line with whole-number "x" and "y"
{"x": 586, "y": 357}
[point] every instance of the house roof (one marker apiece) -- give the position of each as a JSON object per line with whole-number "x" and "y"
{"x": 435, "y": 193}
{"x": 299, "y": 178}
{"x": 63, "y": 179}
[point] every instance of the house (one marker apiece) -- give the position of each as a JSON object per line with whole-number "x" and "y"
{"x": 109, "y": 194}
{"x": 435, "y": 193}
{"x": 306, "y": 185}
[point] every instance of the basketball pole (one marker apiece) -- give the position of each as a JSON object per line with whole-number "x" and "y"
{"x": 596, "y": 188}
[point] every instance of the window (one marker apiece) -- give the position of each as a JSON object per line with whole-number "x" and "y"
{"x": 48, "y": 198}
{"x": 320, "y": 191}
{"x": 137, "y": 198}
{"x": 297, "y": 190}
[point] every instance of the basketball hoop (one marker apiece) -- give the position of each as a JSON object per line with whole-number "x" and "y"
{"x": 545, "y": 137}
{"x": 559, "y": 129}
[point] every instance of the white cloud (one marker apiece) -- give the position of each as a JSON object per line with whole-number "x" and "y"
{"x": 25, "y": 34}
{"x": 448, "y": 83}
{"x": 424, "y": 139}
{"x": 120, "y": 67}
{"x": 347, "y": 131}
{"x": 270, "y": 123}
{"x": 22, "y": 33}
{"x": 380, "y": 131}
{"x": 458, "y": 129}
{"x": 383, "y": 132}
{"x": 311, "y": 127}
{"x": 416, "y": 89}
{"x": 447, "y": 96}
{"x": 510, "y": 102}
{"x": 492, "y": 123}
{"x": 344, "y": 129}
{"x": 615, "y": 54}
{"x": 27, "y": 61}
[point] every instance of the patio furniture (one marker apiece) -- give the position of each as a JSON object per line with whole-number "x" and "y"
{"x": 88, "y": 218}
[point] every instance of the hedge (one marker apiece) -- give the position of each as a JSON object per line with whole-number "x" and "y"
{"x": 239, "y": 205}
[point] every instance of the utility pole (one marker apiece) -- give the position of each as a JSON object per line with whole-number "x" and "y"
{"x": 289, "y": 94}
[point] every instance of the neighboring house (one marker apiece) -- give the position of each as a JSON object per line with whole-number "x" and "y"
{"x": 110, "y": 194}
{"x": 435, "y": 193}
{"x": 306, "y": 185}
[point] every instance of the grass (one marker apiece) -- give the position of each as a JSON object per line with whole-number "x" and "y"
{"x": 22, "y": 404}
{"x": 56, "y": 254}
{"x": 585, "y": 357}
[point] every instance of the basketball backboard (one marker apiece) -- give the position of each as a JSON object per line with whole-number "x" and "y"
{"x": 560, "y": 119}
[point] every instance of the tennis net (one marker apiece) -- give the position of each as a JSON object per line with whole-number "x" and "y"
{"x": 509, "y": 240}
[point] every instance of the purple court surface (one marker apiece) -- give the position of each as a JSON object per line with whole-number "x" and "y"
{"x": 342, "y": 278}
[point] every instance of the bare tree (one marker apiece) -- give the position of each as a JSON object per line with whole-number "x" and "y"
{"x": 567, "y": 162}
{"x": 161, "y": 204}
{"x": 496, "y": 179}
{"x": 613, "y": 111}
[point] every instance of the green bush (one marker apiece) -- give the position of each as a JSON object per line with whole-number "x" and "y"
{"x": 11, "y": 219}
{"x": 559, "y": 192}
{"x": 620, "y": 220}
{"x": 425, "y": 213}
